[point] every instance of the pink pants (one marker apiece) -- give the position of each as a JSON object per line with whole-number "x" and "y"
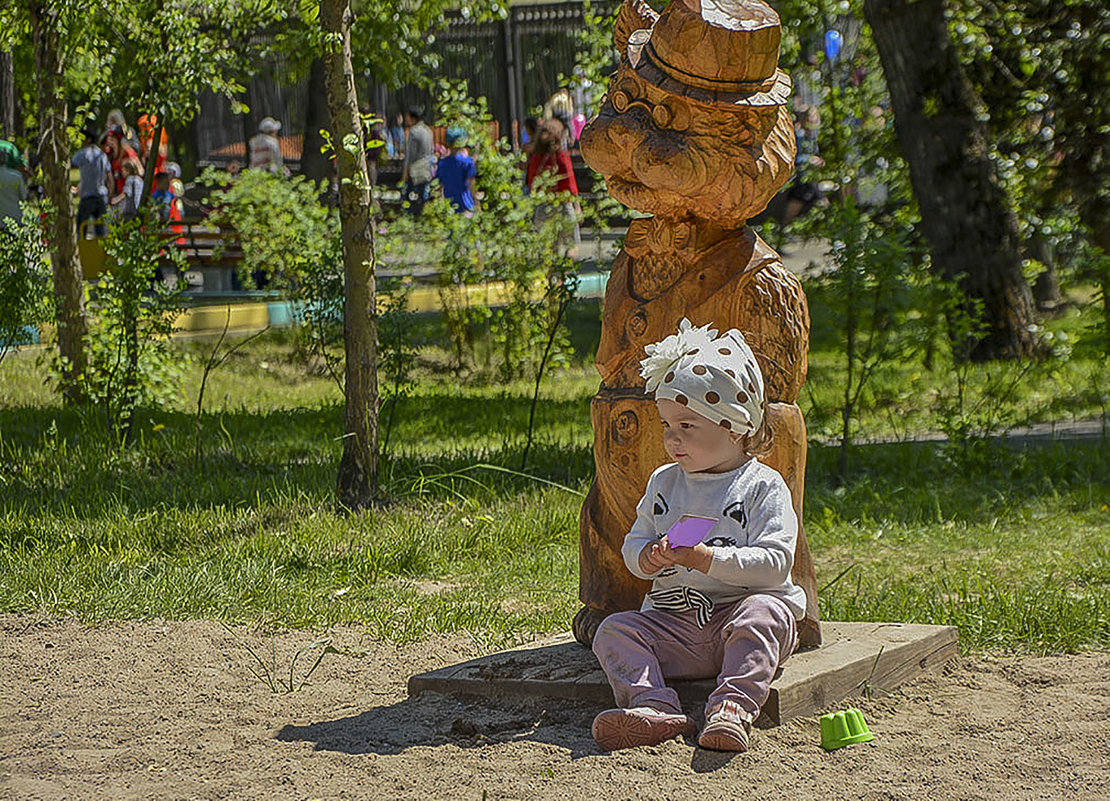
{"x": 743, "y": 645}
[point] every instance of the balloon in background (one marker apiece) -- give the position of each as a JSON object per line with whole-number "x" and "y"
{"x": 833, "y": 43}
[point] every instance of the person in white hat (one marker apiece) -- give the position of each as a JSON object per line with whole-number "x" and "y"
{"x": 715, "y": 533}
{"x": 265, "y": 149}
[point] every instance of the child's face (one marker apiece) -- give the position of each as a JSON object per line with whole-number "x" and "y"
{"x": 697, "y": 444}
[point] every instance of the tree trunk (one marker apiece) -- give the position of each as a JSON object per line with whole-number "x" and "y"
{"x": 358, "y": 468}
{"x": 965, "y": 215}
{"x": 152, "y": 159}
{"x": 7, "y": 95}
{"x": 314, "y": 164}
{"x": 54, "y": 155}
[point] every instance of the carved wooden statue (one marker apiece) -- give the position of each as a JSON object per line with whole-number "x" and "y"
{"x": 695, "y": 131}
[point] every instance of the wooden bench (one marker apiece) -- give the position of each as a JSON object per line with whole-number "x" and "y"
{"x": 213, "y": 253}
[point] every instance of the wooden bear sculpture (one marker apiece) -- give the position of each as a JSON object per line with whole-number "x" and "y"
{"x": 695, "y": 131}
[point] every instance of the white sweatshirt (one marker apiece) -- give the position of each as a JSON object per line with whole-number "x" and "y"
{"x": 752, "y": 542}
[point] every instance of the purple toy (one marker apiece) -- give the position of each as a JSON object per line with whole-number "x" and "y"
{"x": 689, "y": 530}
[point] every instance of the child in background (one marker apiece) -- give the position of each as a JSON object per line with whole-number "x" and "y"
{"x": 127, "y": 201}
{"x": 119, "y": 152}
{"x": 456, "y": 173}
{"x": 177, "y": 188}
{"x": 726, "y": 606}
{"x": 162, "y": 195}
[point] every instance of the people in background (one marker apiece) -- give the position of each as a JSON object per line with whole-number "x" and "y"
{"x": 162, "y": 195}
{"x": 10, "y": 154}
{"x": 375, "y": 153}
{"x": 395, "y": 140}
{"x": 177, "y": 188}
{"x": 528, "y": 138}
{"x": 126, "y": 203}
{"x": 176, "y": 198}
{"x": 147, "y": 124}
{"x": 265, "y": 149}
{"x": 550, "y": 157}
{"x": 116, "y": 120}
{"x": 13, "y": 188}
{"x": 527, "y": 145}
{"x": 419, "y": 164}
{"x": 457, "y": 173}
{"x": 119, "y": 151}
{"x": 95, "y": 185}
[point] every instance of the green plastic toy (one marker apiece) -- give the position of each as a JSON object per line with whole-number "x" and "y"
{"x": 839, "y": 729}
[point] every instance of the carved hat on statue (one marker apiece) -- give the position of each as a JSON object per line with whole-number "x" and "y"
{"x": 718, "y": 52}
{"x": 717, "y": 377}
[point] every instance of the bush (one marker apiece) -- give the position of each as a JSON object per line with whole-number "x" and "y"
{"x": 25, "y": 281}
{"x": 502, "y": 244}
{"x": 132, "y": 314}
{"x": 284, "y": 229}
{"x": 291, "y": 244}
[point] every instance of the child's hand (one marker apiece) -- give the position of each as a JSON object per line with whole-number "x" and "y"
{"x": 655, "y": 556}
{"x": 699, "y": 557}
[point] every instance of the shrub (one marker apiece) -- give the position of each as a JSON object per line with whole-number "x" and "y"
{"x": 25, "y": 281}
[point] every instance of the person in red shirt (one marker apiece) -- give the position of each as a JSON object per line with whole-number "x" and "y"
{"x": 548, "y": 156}
{"x": 118, "y": 152}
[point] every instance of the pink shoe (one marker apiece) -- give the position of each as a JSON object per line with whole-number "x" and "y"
{"x": 614, "y": 729}
{"x": 727, "y": 728}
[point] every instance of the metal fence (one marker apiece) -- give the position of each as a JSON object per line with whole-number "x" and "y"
{"x": 516, "y": 64}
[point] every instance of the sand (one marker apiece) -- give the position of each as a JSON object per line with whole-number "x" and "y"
{"x": 170, "y": 710}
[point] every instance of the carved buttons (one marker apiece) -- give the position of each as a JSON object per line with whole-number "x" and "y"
{"x": 672, "y": 113}
{"x": 626, "y": 427}
{"x": 637, "y": 323}
{"x": 662, "y": 116}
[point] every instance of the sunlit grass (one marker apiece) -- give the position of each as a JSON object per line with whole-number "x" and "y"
{"x": 1011, "y": 546}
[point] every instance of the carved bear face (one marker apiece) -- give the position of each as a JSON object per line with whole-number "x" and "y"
{"x": 668, "y": 155}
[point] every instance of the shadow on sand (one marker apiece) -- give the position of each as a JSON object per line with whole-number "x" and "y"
{"x": 432, "y": 719}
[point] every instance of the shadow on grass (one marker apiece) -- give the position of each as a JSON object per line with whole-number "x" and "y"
{"x": 931, "y": 482}
{"x": 63, "y": 461}
{"x": 431, "y": 719}
{"x": 66, "y": 461}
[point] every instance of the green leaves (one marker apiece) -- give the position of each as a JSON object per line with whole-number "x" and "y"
{"x": 25, "y": 288}
{"x": 132, "y": 317}
{"x": 283, "y": 228}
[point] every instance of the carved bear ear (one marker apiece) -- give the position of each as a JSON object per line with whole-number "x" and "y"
{"x": 634, "y": 15}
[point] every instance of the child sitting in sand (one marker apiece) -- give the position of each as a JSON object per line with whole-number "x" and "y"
{"x": 724, "y": 606}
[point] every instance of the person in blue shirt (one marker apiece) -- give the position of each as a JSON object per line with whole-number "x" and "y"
{"x": 96, "y": 184}
{"x": 456, "y": 173}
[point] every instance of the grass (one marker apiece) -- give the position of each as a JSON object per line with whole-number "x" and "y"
{"x": 905, "y": 398}
{"x": 1013, "y": 547}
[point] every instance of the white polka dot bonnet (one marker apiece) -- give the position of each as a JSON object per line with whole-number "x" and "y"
{"x": 718, "y": 378}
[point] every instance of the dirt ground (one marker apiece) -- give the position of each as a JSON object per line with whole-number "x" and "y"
{"x": 171, "y": 711}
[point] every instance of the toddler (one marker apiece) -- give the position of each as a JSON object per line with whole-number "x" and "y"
{"x": 723, "y": 607}
{"x": 162, "y": 195}
{"x": 127, "y": 202}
